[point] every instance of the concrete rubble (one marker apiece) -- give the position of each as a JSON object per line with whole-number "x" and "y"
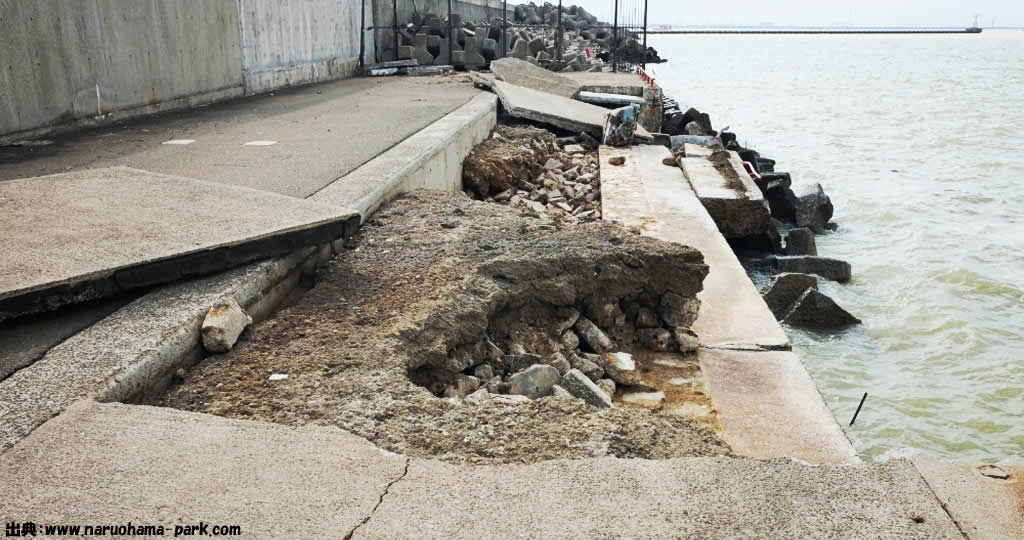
{"x": 480, "y": 313}
{"x": 223, "y": 324}
{"x": 524, "y": 167}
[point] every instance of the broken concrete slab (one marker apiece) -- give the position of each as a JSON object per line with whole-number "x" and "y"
{"x": 545, "y": 108}
{"x": 89, "y": 234}
{"x": 785, "y": 289}
{"x": 833, "y": 269}
{"x": 816, "y": 310}
{"x": 260, "y": 476}
{"x": 728, "y": 193}
{"x": 645, "y": 193}
{"x": 691, "y": 497}
{"x": 527, "y": 75}
{"x": 982, "y": 506}
{"x": 770, "y": 407}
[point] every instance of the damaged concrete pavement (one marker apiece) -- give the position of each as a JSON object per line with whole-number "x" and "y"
{"x": 475, "y": 298}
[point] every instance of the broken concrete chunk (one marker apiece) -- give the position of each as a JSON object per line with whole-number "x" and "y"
{"x": 568, "y": 318}
{"x": 617, "y": 160}
{"x": 479, "y": 397}
{"x": 553, "y": 164}
{"x": 557, "y": 360}
{"x": 620, "y": 126}
{"x": 558, "y": 391}
{"x": 534, "y": 382}
{"x": 800, "y": 241}
{"x": 463, "y": 386}
{"x": 813, "y": 207}
{"x": 654, "y": 339}
{"x": 570, "y": 340}
{"x": 644, "y": 399}
{"x": 484, "y": 372}
{"x": 646, "y": 318}
{"x": 785, "y": 289}
{"x": 592, "y": 335}
{"x": 223, "y": 324}
{"x": 833, "y": 269}
{"x": 621, "y": 368}
{"x": 589, "y": 366}
{"x": 508, "y": 399}
{"x": 677, "y": 311}
{"x": 518, "y": 362}
{"x": 580, "y": 386}
{"x": 607, "y": 385}
{"x": 686, "y": 340}
{"x": 814, "y": 309}
{"x": 574, "y": 149}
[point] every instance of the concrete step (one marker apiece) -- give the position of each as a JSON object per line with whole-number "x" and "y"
{"x": 111, "y": 463}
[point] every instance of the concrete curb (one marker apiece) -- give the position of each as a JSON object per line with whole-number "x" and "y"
{"x": 137, "y": 349}
{"x": 438, "y": 151}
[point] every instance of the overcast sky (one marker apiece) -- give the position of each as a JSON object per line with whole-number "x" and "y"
{"x": 954, "y": 13}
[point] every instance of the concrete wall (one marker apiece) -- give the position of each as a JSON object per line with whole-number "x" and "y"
{"x": 300, "y": 41}
{"x": 68, "y": 60}
{"x": 67, "y": 63}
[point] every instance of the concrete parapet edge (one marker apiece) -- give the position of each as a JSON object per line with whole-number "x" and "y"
{"x": 138, "y": 348}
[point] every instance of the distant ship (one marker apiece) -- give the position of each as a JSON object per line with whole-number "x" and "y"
{"x": 974, "y": 29}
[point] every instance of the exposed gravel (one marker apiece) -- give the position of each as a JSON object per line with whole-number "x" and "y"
{"x": 430, "y": 273}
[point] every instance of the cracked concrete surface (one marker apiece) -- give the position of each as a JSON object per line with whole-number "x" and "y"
{"x": 111, "y": 463}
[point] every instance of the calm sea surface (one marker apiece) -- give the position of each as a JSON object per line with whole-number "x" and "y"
{"x": 919, "y": 141}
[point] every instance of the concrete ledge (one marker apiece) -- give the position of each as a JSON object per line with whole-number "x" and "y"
{"x": 432, "y": 159}
{"x": 770, "y": 407}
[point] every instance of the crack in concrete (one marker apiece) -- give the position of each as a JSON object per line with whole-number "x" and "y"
{"x": 380, "y": 501}
{"x": 943, "y": 505}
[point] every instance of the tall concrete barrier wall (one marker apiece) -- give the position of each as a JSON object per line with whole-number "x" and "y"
{"x": 66, "y": 61}
{"x": 297, "y": 42}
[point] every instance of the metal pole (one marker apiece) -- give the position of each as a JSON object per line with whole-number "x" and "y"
{"x": 394, "y": 25}
{"x": 362, "y": 36}
{"x": 645, "y": 35}
{"x": 451, "y": 36}
{"x": 615, "y": 38}
{"x": 560, "y": 34}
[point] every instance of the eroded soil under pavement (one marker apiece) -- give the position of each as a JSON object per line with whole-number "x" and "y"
{"x": 431, "y": 273}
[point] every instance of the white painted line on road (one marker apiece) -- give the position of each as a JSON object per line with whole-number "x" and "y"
{"x": 180, "y": 141}
{"x": 260, "y": 143}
